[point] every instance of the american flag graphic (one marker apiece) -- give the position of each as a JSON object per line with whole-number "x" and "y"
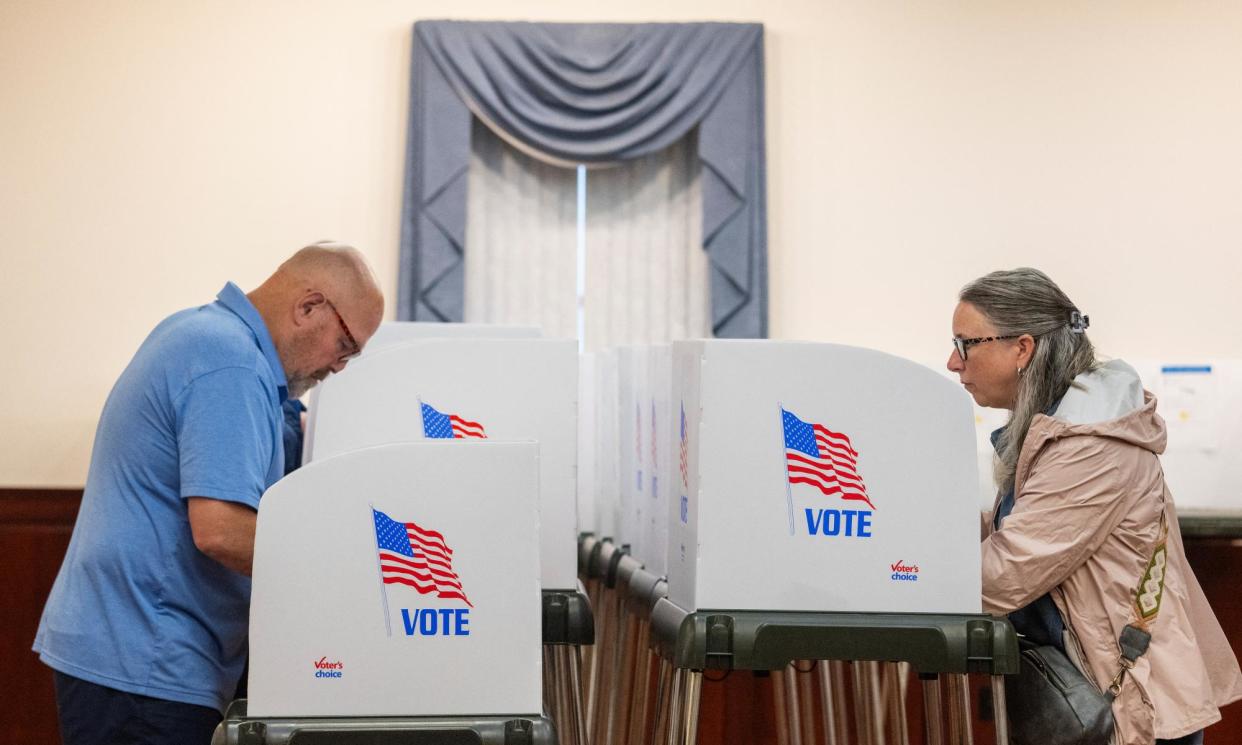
{"x": 449, "y": 426}
{"x": 414, "y": 556}
{"x": 685, "y": 452}
{"x": 824, "y": 459}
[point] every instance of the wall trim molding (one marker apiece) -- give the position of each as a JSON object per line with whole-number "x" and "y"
{"x": 31, "y": 507}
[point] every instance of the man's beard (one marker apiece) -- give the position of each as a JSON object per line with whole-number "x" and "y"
{"x": 300, "y": 385}
{"x": 299, "y": 382}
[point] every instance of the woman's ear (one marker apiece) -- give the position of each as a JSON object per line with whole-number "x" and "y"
{"x": 1026, "y": 350}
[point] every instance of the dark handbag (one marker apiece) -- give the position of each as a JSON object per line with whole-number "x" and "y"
{"x": 1051, "y": 703}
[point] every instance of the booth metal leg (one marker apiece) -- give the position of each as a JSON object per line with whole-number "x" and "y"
{"x": 594, "y": 587}
{"x": 571, "y": 724}
{"x": 959, "y": 710}
{"x": 575, "y": 684}
{"x": 968, "y": 719}
{"x": 675, "y": 708}
{"x": 948, "y": 690}
{"x": 564, "y": 720}
{"x": 806, "y": 701}
{"x": 620, "y": 730}
{"x": 876, "y": 700}
{"x": 692, "y": 687}
{"x": 831, "y": 677}
{"x": 862, "y": 711}
{"x": 549, "y": 689}
{"x": 1000, "y": 714}
{"x": 793, "y": 710}
{"x": 611, "y": 678}
{"x": 664, "y": 684}
{"x": 605, "y": 668}
{"x": 642, "y": 686}
{"x": 618, "y": 693}
{"x": 840, "y": 701}
{"x": 588, "y": 653}
{"x": 596, "y": 660}
{"x": 895, "y": 676}
{"x": 868, "y": 708}
{"x": 780, "y": 706}
{"x": 932, "y": 710}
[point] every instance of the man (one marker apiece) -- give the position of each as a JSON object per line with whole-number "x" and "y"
{"x": 145, "y": 628}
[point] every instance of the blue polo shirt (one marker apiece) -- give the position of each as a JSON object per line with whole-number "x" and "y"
{"x": 197, "y": 413}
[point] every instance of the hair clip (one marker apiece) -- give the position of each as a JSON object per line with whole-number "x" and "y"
{"x": 1078, "y": 322}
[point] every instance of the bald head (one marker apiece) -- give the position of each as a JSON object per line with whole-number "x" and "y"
{"x": 334, "y": 267}
{"x": 320, "y": 307}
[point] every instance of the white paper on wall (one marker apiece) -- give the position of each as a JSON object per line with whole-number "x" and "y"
{"x": 1190, "y": 401}
{"x": 1201, "y": 404}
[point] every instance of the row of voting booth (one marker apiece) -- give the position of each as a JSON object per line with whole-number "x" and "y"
{"x": 782, "y": 507}
{"x": 497, "y": 539}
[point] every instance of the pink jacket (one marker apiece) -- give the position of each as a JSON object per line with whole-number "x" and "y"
{"x": 1085, "y": 520}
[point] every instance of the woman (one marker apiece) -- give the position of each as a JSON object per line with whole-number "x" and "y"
{"x": 1079, "y": 512}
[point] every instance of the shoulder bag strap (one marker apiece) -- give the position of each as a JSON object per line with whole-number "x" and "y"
{"x": 1136, "y": 636}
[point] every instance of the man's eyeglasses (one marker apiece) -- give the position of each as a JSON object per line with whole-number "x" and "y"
{"x": 961, "y": 345}
{"x": 355, "y": 348}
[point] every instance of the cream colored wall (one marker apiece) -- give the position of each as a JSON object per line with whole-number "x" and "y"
{"x": 150, "y": 151}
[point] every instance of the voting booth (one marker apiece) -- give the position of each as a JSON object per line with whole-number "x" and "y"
{"x": 399, "y": 332}
{"x": 391, "y": 333}
{"x": 852, "y": 472}
{"x": 824, "y": 509}
{"x": 662, "y": 459}
{"x": 608, "y": 479}
{"x": 376, "y": 596}
{"x": 461, "y": 389}
{"x": 587, "y": 423}
{"x": 481, "y": 388}
{"x": 633, "y": 432}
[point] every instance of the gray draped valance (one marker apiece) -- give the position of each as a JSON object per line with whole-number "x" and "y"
{"x": 594, "y": 94}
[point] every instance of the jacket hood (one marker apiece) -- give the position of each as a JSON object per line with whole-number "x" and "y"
{"x": 1110, "y": 402}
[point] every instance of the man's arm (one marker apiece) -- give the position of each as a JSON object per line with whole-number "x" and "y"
{"x": 224, "y": 531}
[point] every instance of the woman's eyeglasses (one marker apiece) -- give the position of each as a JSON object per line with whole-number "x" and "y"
{"x": 961, "y": 345}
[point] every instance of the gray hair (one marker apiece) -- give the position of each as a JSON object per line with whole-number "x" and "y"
{"x": 1027, "y": 301}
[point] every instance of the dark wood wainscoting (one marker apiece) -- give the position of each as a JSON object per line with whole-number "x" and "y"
{"x": 35, "y": 525}
{"x": 1217, "y": 562}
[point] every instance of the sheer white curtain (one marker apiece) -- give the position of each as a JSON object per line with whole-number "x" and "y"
{"x": 646, "y": 271}
{"x": 521, "y": 239}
